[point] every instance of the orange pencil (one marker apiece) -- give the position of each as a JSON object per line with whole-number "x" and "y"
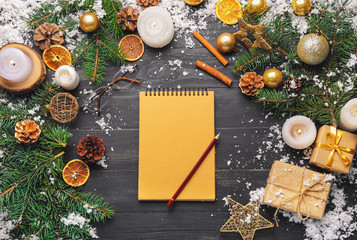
{"x": 183, "y": 184}
{"x": 210, "y": 48}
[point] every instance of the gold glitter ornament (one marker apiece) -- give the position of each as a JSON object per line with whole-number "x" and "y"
{"x": 245, "y": 219}
{"x": 257, "y": 6}
{"x": 301, "y": 7}
{"x": 226, "y": 42}
{"x": 89, "y": 22}
{"x": 313, "y": 49}
{"x": 272, "y": 78}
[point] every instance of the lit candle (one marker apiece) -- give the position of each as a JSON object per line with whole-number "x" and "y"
{"x": 299, "y": 132}
{"x": 348, "y": 118}
{"x": 155, "y": 27}
{"x": 67, "y": 77}
{"x": 15, "y": 66}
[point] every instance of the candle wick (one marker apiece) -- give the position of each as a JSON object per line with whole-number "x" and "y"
{"x": 299, "y": 131}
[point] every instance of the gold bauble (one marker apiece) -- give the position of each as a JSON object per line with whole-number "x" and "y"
{"x": 301, "y": 7}
{"x": 89, "y": 22}
{"x": 226, "y": 42}
{"x": 257, "y": 6}
{"x": 193, "y": 2}
{"x": 313, "y": 49}
{"x": 272, "y": 78}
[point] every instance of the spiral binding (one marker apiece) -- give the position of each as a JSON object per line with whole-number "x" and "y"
{"x": 176, "y": 92}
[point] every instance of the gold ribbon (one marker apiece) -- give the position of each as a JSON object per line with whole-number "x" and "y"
{"x": 301, "y": 198}
{"x": 333, "y": 138}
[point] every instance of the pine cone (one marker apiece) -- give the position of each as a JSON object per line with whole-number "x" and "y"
{"x": 250, "y": 83}
{"x": 47, "y": 35}
{"x": 90, "y": 149}
{"x": 147, "y": 3}
{"x": 27, "y": 131}
{"x": 128, "y": 17}
{"x": 293, "y": 84}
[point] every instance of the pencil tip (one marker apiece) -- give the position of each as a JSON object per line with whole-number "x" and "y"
{"x": 216, "y": 137}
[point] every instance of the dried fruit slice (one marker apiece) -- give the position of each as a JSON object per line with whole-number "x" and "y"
{"x": 56, "y": 56}
{"x": 132, "y": 46}
{"x": 228, "y": 11}
{"x": 75, "y": 173}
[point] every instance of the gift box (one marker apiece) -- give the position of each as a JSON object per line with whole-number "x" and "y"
{"x": 334, "y": 149}
{"x": 298, "y": 190}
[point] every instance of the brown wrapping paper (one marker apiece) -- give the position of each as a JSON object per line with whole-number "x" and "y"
{"x": 321, "y": 156}
{"x": 298, "y": 190}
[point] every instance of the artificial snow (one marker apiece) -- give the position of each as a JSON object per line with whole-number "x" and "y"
{"x": 6, "y": 226}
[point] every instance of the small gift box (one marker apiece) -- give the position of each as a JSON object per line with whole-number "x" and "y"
{"x": 298, "y": 190}
{"x": 334, "y": 149}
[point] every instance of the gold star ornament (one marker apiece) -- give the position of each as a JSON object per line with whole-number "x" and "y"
{"x": 245, "y": 219}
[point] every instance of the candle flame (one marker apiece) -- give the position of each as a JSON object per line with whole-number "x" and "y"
{"x": 12, "y": 62}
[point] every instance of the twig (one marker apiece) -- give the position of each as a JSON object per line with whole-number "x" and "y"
{"x": 8, "y": 190}
{"x": 75, "y": 59}
{"x": 100, "y": 41}
{"x": 99, "y": 209}
{"x": 94, "y": 76}
{"x": 253, "y": 59}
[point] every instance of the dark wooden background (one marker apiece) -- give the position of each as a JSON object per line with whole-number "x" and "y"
{"x": 244, "y": 129}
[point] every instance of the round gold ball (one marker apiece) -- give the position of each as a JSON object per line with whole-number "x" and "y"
{"x": 313, "y": 49}
{"x": 257, "y": 6}
{"x": 272, "y": 78}
{"x": 226, "y": 42}
{"x": 301, "y": 7}
{"x": 89, "y": 22}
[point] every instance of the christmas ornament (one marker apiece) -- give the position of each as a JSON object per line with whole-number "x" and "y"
{"x": 90, "y": 149}
{"x": 313, "y": 49}
{"x": 301, "y": 7}
{"x": 47, "y": 35}
{"x": 56, "y": 56}
{"x": 272, "y": 78}
{"x": 256, "y": 30}
{"x": 228, "y": 11}
{"x": 257, "y": 6}
{"x": 245, "y": 219}
{"x": 132, "y": 46}
{"x": 147, "y": 3}
{"x": 27, "y": 131}
{"x": 89, "y": 22}
{"x": 250, "y": 83}
{"x": 293, "y": 84}
{"x": 193, "y": 2}
{"x": 36, "y": 66}
{"x": 226, "y": 42}
{"x": 63, "y": 107}
{"x": 128, "y": 17}
{"x": 76, "y": 173}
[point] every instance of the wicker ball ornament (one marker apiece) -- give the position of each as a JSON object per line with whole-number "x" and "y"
{"x": 63, "y": 107}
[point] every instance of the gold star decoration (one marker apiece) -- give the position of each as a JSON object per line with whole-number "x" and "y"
{"x": 245, "y": 219}
{"x": 256, "y": 30}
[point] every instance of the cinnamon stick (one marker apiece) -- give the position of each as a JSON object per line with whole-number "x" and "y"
{"x": 214, "y": 72}
{"x": 210, "y": 48}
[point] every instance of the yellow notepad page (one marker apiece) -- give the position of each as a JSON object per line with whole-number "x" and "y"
{"x": 174, "y": 131}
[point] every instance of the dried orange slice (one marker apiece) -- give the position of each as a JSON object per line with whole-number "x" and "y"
{"x": 228, "y": 11}
{"x": 132, "y": 46}
{"x": 56, "y": 56}
{"x": 75, "y": 173}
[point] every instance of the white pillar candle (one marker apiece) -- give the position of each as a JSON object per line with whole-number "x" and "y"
{"x": 67, "y": 77}
{"x": 15, "y": 66}
{"x": 348, "y": 118}
{"x": 155, "y": 27}
{"x": 299, "y": 132}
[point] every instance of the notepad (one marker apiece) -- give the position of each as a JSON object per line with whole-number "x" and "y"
{"x": 175, "y": 128}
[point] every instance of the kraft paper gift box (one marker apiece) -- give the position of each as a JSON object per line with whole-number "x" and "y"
{"x": 334, "y": 149}
{"x": 297, "y": 189}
